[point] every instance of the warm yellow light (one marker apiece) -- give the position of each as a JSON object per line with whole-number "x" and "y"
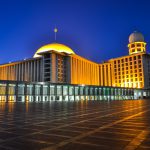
{"x": 137, "y": 47}
{"x": 61, "y": 48}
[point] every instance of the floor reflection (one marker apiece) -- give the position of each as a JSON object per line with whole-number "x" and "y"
{"x": 83, "y": 124}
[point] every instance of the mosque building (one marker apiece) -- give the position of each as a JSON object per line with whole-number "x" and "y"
{"x": 57, "y": 63}
{"x": 132, "y": 70}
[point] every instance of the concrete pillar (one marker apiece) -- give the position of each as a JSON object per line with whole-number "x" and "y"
{"x": 16, "y": 91}
{"x": 37, "y": 71}
{"x": 7, "y": 88}
{"x": 28, "y": 68}
{"x": 53, "y": 68}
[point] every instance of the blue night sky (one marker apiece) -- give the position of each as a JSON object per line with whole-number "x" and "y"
{"x": 95, "y": 29}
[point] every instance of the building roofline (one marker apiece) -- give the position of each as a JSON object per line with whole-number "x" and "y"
{"x": 19, "y": 61}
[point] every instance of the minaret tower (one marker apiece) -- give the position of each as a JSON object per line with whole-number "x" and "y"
{"x": 136, "y": 43}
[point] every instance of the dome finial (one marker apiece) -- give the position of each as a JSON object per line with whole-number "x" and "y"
{"x": 55, "y": 31}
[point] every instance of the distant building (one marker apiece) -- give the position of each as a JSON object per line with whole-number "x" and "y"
{"x": 57, "y": 63}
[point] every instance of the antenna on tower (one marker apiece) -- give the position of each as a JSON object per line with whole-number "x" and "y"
{"x": 55, "y": 31}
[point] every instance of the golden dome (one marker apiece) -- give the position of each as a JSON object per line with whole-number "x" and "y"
{"x": 61, "y": 48}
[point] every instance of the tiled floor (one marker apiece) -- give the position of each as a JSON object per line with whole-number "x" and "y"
{"x": 81, "y": 125}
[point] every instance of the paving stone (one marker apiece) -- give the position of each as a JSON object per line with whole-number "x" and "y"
{"x": 76, "y": 125}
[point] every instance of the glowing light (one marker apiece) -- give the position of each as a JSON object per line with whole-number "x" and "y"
{"x": 55, "y": 30}
{"x": 137, "y": 47}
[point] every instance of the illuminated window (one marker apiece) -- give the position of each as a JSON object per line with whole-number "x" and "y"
{"x": 134, "y": 57}
{"x": 139, "y": 61}
{"x": 132, "y": 45}
{"x": 138, "y": 44}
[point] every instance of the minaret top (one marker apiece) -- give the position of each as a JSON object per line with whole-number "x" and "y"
{"x": 136, "y": 43}
{"x": 136, "y": 37}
